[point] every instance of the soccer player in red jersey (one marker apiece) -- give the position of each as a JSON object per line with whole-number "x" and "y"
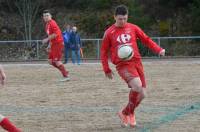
{"x": 5, "y": 123}
{"x": 120, "y": 33}
{"x": 56, "y": 44}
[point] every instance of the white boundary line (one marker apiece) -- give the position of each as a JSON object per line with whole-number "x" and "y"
{"x": 10, "y": 64}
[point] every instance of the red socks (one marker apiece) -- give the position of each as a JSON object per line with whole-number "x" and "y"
{"x": 54, "y": 64}
{"x": 132, "y": 104}
{"x": 61, "y": 68}
{"x": 7, "y": 125}
{"x": 63, "y": 71}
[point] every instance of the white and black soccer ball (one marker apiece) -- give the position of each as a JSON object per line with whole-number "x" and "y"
{"x": 125, "y": 52}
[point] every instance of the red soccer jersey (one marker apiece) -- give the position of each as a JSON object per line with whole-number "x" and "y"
{"x": 116, "y": 36}
{"x": 52, "y": 27}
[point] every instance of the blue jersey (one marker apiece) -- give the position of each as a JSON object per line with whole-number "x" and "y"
{"x": 66, "y": 36}
{"x": 75, "y": 41}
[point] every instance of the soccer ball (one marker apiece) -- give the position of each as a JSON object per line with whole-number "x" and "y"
{"x": 125, "y": 52}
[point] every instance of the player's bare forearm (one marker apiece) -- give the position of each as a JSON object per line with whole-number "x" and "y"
{"x": 50, "y": 37}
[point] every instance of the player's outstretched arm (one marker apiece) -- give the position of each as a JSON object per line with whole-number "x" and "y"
{"x": 104, "y": 57}
{"x": 147, "y": 41}
{"x": 2, "y": 75}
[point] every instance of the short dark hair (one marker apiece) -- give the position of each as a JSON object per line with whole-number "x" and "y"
{"x": 121, "y": 10}
{"x": 46, "y": 11}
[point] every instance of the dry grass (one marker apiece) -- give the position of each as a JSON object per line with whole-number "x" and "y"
{"x": 36, "y": 101}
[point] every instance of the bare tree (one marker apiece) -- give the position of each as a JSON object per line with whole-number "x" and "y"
{"x": 28, "y": 10}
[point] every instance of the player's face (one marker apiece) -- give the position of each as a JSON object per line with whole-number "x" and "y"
{"x": 46, "y": 17}
{"x": 121, "y": 20}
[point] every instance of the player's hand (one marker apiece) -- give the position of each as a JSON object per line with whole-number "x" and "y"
{"x": 2, "y": 78}
{"x": 109, "y": 75}
{"x": 47, "y": 49}
{"x": 162, "y": 52}
{"x": 46, "y": 40}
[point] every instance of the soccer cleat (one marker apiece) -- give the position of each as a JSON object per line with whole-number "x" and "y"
{"x": 65, "y": 79}
{"x": 123, "y": 118}
{"x": 132, "y": 120}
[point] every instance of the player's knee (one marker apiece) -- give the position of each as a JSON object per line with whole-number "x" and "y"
{"x": 137, "y": 88}
{"x": 143, "y": 94}
{"x": 135, "y": 84}
{"x": 58, "y": 63}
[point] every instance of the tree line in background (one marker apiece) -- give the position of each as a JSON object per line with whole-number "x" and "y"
{"x": 21, "y": 19}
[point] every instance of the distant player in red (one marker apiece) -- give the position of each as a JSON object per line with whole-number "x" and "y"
{"x": 56, "y": 44}
{"x": 5, "y": 122}
{"x": 120, "y": 33}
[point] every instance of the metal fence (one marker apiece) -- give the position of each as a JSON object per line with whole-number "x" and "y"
{"x": 34, "y": 50}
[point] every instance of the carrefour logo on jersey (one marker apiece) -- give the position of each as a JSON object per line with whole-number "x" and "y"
{"x": 124, "y": 38}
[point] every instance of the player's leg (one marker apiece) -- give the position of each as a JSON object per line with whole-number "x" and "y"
{"x": 138, "y": 87}
{"x": 57, "y": 60}
{"x": 61, "y": 67}
{"x": 130, "y": 74}
{"x": 140, "y": 71}
{"x": 56, "y": 56}
{"x": 136, "y": 95}
{"x": 127, "y": 73}
{"x": 137, "y": 92}
{"x": 6, "y": 124}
